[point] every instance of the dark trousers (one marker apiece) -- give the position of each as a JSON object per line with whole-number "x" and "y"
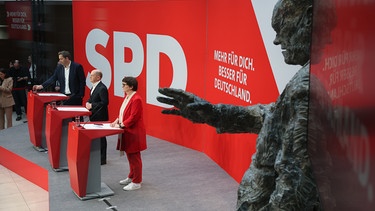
{"x": 19, "y": 100}
{"x": 103, "y": 150}
{"x": 73, "y": 101}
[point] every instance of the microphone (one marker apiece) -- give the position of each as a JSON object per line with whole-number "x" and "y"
{"x": 90, "y": 117}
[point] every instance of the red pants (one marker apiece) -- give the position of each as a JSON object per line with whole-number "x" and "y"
{"x": 135, "y": 165}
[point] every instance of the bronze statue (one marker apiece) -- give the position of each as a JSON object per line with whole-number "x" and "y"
{"x": 280, "y": 175}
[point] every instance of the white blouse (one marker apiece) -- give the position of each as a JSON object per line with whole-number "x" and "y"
{"x": 123, "y": 106}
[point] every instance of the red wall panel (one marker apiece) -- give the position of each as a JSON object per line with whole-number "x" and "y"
{"x": 121, "y": 38}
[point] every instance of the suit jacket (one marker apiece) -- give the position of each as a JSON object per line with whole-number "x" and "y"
{"x": 77, "y": 80}
{"x": 19, "y": 73}
{"x": 6, "y": 97}
{"x": 99, "y": 101}
{"x": 134, "y": 136}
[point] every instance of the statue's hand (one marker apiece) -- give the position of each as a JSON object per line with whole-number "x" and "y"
{"x": 186, "y": 105}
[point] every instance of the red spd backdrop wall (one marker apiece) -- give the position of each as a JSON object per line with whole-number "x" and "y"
{"x": 213, "y": 49}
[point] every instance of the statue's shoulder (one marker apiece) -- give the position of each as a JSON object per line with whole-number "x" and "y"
{"x": 299, "y": 84}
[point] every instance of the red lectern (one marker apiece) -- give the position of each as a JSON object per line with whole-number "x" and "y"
{"x": 84, "y": 159}
{"x": 57, "y": 121}
{"x": 36, "y": 113}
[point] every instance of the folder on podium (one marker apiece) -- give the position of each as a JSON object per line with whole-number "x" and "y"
{"x": 84, "y": 158}
{"x": 56, "y": 132}
{"x": 36, "y": 113}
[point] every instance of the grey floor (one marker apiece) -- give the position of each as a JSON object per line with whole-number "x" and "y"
{"x": 174, "y": 178}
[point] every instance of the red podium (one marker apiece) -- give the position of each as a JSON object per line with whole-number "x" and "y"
{"x": 56, "y": 132}
{"x": 84, "y": 159}
{"x": 36, "y": 113}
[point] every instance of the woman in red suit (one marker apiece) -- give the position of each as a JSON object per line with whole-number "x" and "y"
{"x": 133, "y": 140}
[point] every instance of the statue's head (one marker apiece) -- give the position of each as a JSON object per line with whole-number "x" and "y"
{"x": 296, "y": 23}
{"x": 292, "y": 22}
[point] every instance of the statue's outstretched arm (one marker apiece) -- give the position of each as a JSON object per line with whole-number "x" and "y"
{"x": 225, "y": 118}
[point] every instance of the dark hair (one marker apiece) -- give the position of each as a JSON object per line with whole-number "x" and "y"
{"x": 65, "y": 54}
{"x": 131, "y": 81}
{"x": 5, "y": 71}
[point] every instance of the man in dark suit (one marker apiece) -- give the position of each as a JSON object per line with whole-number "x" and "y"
{"x": 20, "y": 77}
{"x": 98, "y": 105}
{"x": 71, "y": 78}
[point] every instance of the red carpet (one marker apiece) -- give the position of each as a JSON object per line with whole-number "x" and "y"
{"x": 24, "y": 168}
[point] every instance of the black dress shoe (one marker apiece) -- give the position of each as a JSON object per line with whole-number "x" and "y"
{"x": 18, "y": 118}
{"x": 103, "y": 162}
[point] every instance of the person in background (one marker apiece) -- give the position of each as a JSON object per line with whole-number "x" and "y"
{"x": 32, "y": 71}
{"x": 71, "y": 78}
{"x": 98, "y": 105}
{"x": 6, "y": 98}
{"x": 10, "y": 64}
{"x": 20, "y": 77}
{"x": 133, "y": 140}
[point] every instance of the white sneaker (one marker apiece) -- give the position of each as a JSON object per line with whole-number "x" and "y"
{"x": 125, "y": 181}
{"x": 132, "y": 186}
